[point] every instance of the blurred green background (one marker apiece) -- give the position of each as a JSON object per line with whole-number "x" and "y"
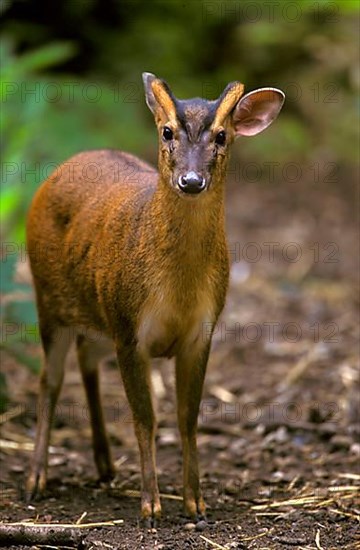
{"x": 71, "y": 80}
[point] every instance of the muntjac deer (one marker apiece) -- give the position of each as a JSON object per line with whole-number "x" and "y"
{"x": 119, "y": 247}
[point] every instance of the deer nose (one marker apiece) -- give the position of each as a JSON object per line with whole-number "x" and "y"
{"x": 192, "y": 183}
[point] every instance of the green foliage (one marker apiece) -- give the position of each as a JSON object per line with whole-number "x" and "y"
{"x": 44, "y": 122}
{"x": 47, "y": 120}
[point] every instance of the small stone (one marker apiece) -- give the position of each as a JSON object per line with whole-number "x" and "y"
{"x": 231, "y": 488}
{"x": 57, "y": 460}
{"x": 240, "y": 272}
{"x": 238, "y": 445}
{"x": 17, "y": 468}
{"x": 355, "y": 448}
{"x": 201, "y": 525}
{"x": 219, "y": 443}
{"x": 189, "y": 526}
{"x": 260, "y": 429}
{"x": 340, "y": 442}
{"x": 278, "y": 475}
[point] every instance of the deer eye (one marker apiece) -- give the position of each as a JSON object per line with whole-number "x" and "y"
{"x": 220, "y": 138}
{"x": 167, "y": 133}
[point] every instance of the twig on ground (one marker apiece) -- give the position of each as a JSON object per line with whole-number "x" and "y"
{"x": 23, "y": 534}
{"x": 317, "y": 540}
{"x": 62, "y": 534}
{"x": 137, "y": 494}
{"x": 83, "y": 515}
{"x": 267, "y": 532}
{"x": 212, "y": 543}
{"x": 12, "y": 413}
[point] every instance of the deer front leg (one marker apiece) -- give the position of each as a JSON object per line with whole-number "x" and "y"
{"x": 190, "y": 373}
{"x": 135, "y": 374}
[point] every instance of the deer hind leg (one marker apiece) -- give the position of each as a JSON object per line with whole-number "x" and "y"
{"x": 89, "y": 353}
{"x": 56, "y": 343}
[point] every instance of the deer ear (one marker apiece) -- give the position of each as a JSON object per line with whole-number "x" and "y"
{"x": 256, "y": 111}
{"x": 159, "y": 98}
{"x": 227, "y": 101}
{"x": 148, "y": 78}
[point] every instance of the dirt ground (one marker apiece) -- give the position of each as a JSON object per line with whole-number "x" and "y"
{"x": 279, "y": 432}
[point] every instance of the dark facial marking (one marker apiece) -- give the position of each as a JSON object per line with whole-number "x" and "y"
{"x": 195, "y": 116}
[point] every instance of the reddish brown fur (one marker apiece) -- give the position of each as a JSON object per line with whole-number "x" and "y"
{"x": 127, "y": 255}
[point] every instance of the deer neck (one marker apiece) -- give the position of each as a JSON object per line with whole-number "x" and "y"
{"x": 188, "y": 228}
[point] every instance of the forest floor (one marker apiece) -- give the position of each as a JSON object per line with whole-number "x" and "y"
{"x": 279, "y": 431}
